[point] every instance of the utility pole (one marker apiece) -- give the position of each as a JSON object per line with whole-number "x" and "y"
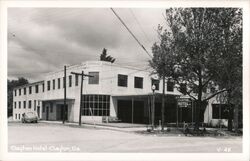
{"x": 82, "y": 78}
{"x": 163, "y": 104}
{"x": 64, "y": 106}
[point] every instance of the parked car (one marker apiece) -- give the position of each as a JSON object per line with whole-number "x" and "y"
{"x": 30, "y": 117}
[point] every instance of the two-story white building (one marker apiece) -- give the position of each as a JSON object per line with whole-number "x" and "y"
{"x": 117, "y": 91}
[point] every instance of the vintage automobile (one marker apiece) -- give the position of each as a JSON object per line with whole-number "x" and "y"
{"x": 29, "y": 117}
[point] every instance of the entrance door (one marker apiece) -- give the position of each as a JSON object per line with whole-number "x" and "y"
{"x": 38, "y": 111}
{"x": 66, "y": 112}
{"x": 125, "y": 112}
{"x": 47, "y": 112}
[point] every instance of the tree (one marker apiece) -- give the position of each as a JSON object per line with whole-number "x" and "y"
{"x": 229, "y": 61}
{"x": 105, "y": 57}
{"x": 11, "y": 85}
{"x": 193, "y": 35}
{"x": 162, "y": 64}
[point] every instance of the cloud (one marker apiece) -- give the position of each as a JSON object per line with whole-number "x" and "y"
{"x": 45, "y": 39}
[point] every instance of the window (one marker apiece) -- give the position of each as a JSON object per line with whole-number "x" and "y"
{"x": 96, "y": 105}
{"x": 24, "y": 91}
{"x": 15, "y": 92}
{"x": 58, "y": 83}
{"x": 20, "y": 92}
{"x": 156, "y": 83}
{"x": 70, "y": 81}
{"x": 19, "y": 104}
{"x": 183, "y": 88}
{"x": 24, "y": 104}
{"x": 220, "y": 111}
{"x": 76, "y": 80}
{"x": 34, "y": 104}
{"x": 14, "y": 104}
{"x": 51, "y": 109}
{"x": 29, "y": 103}
{"x": 19, "y": 116}
{"x": 95, "y": 78}
{"x": 122, "y": 80}
{"x": 54, "y": 84}
{"x": 37, "y": 89}
{"x": 16, "y": 116}
{"x": 43, "y": 109}
{"x": 30, "y": 89}
{"x": 138, "y": 82}
{"x": 170, "y": 86}
{"x": 43, "y": 87}
{"x": 48, "y": 85}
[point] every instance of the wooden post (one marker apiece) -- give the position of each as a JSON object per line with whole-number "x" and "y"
{"x": 80, "y": 109}
{"x": 64, "y": 106}
{"x": 177, "y": 113}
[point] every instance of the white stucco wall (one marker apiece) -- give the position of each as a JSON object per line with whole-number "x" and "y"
{"x": 108, "y": 85}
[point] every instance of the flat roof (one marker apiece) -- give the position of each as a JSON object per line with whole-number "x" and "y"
{"x": 28, "y": 84}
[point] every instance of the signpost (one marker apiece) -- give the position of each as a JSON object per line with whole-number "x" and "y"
{"x": 182, "y": 102}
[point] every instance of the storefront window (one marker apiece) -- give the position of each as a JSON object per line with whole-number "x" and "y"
{"x": 95, "y": 105}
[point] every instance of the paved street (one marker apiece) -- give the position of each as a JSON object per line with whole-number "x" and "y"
{"x": 47, "y": 137}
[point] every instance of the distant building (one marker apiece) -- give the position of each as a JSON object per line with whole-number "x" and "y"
{"x": 116, "y": 91}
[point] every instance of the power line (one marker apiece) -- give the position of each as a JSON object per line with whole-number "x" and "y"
{"x": 137, "y": 21}
{"x": 130, "y": 32}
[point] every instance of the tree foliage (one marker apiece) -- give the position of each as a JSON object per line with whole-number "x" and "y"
{"x": 105, "y": 57}
{"x": 193, "y": 48}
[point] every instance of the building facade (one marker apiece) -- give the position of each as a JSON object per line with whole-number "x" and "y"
{"x": 113, "y": 91}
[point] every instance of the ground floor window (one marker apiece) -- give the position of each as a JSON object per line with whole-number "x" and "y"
{"x": 95, "y": 105}
{"x": 220, "y": 111}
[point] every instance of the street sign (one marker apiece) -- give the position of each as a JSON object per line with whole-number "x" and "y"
{"x": 183, "y": 102}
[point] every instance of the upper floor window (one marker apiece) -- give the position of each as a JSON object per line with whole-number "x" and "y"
{"x": 95, "y": 78}
{"x": 183, "y": 88}
{"x": 156, "y": 83}
{"x": 170, "y": 86}
{"x": 24, "y": 91}
{"x": 37, "y": 88}
{"x": 76, "y": 80}
{"x": 20, "y": 91}
{"x": 43, "y": 87}
{"x": 54, "y": 83}
{"x": 19, "y": 104}
{"x": 58, "y": 83}
{"x": 30, "y": 89}
{"x": 48, "y": 85}
{"x": 15, "y": 92}
{"x": 14, "y": 104}
{"x": 70, "y": 81}
{"x": 138, "y": 82}
{"x": 122, "y": 80}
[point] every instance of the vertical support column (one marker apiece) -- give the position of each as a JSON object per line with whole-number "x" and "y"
{"x": 177, "y": 119}
{"x": 132, "y": 110}
{"x": 64, "y": 106}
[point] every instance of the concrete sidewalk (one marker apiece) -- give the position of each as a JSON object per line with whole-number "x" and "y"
{"x": 124, "y": 127}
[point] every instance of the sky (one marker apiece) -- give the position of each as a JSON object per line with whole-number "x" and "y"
{"x": 41, "y": 40}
